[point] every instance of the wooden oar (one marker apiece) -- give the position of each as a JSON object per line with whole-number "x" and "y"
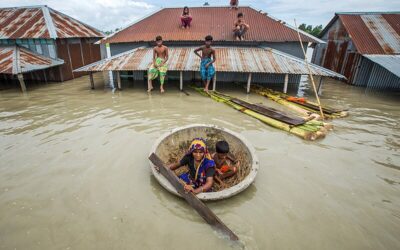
{"x": 193, "y": 201}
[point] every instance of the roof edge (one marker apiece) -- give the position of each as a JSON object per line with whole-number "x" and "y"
{"x": 368, "y": 13}
{"x": 76, "y": 20}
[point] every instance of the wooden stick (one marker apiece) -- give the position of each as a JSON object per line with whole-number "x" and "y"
{"x": 193, "y": 201}
{"x": 309, "y": 72}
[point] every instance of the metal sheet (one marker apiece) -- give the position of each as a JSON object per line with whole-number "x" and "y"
{"x": 389, "y": 62}
{"x": 229, "y": 59}
{"x": 16, "y": 60}
{"x": 41, "y": 22}
{"x": 373, "y": 33}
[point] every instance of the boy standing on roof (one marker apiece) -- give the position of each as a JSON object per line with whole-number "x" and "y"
{"x": 159, "y": 65}
{"x": 241, "y": 27}
{"x": 207, "y": 69}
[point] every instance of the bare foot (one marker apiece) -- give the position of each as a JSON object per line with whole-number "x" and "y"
{"x": 237, "y": 38}
{"x": 162, "y": 90}
{"x": 150, "y": 89}
{"x": 206, "y": 90}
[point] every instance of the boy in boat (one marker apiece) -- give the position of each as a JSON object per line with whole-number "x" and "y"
{"x": 207, "y": 69}
{"x": 241, "y": 27}
{"x": 201, "y": 168}
{"x": 225, "y": 164}
{"x": 159, "y": 65}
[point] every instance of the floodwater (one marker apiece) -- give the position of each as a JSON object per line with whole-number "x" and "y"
{"x": 74, "y": 173}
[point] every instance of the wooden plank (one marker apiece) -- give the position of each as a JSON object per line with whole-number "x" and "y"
{"x": 273, "y": 113}
{"x": 193, "y": 201}
{"x": 315, "y": 107}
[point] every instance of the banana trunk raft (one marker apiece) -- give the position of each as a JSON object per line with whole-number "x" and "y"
{"x": 303, "y": 128}
{"x": 300, "y": 105}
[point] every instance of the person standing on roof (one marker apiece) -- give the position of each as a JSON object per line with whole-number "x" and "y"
{"x": 207, "y": 70}
{"x": 186, "y": 18}
{"x": 234, "y": 4}
{"x": 159, "y": 66}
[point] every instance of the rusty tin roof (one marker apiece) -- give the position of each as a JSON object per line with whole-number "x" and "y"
{"x": 229, "y": 59}
{"x": 15, "y": 60}
{"x": 42, "y": 22}
{"x": 216, "y": 21}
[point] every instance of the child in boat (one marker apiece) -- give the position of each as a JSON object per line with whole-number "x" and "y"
{"x": 159, "y": 65}
{"x": 186, "y": 18}
{"x": 234, "y": 4}
{"x": 241, "y": 27}
{"x": 224, "y": 161}
{"x": 207, "y": 70}
{"x": 201, "y": 168}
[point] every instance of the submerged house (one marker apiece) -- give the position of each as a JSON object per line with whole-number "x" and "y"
{"x": 364, "y": 47}
{"x": 271, "y": 52}
{"x": 40, "y": 43}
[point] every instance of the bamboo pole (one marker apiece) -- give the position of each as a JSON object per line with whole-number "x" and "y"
{"x": 215, "y": 81}
{"x": 309, "y": 72}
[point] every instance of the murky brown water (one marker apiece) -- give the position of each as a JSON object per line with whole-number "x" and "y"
{"x": 74, "y": 173}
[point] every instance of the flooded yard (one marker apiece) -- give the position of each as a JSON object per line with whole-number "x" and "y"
{"x": 74, "y": 172}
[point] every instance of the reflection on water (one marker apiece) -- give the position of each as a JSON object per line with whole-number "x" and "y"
{"x": 74, "y": 172}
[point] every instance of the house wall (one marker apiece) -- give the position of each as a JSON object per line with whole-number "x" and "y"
{"x": 339, "y": 53}
{"x": 76, "y": 53}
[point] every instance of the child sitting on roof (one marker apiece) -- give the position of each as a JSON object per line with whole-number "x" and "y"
{"x": 159, "y": 66}
{"x": 226, "y": 166}
{"x": 234, "y": 4}
{"x": 186, "y": 18}
{"x": 201, "y": 168}
{"x": 207, "y": 70}
{"x": 241, "y": 27}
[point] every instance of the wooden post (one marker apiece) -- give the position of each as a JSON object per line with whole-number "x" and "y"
{"x": 22, "y": 82}
{"x": 110, "y": 73}
{"x": 91, "y": 80}
{"x": 181, "y": 80}
{"x": 248, "y": 83}
{"x": 45, "y": 77}
{"x": 193, "y": 201}
{"x": 319, "y": 90}
{"x": 119, "y": 80}
{"x": 215, "y": 81}
{"x": 286, "y": 83}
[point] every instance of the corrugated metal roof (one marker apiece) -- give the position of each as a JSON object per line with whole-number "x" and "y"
{"x": 41, "y": 22}
{"x": 389, "y": 62}
{"x": 373, "y": 33}
{"x": 16, "y": 60}
{"x": 216, "y": 21}
{"x": 229, "y": 59}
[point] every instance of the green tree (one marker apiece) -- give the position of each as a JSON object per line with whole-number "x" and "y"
{"x": 315, "y": 31}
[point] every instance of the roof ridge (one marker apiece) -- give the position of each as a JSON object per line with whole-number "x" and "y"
{"x": 25, "y": 7}
{"x": 49, "y": 22}
{"x": 367, "y": 13}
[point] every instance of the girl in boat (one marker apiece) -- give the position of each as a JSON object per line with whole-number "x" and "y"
{"x": 201, "y": 168}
